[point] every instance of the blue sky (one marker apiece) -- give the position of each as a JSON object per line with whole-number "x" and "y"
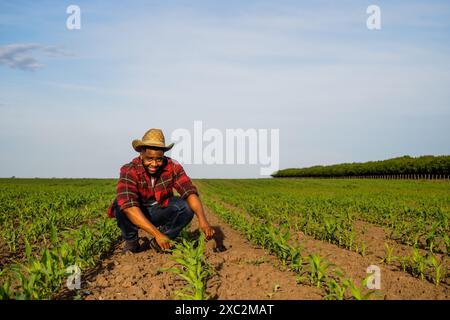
{"x": 71, "y": 101}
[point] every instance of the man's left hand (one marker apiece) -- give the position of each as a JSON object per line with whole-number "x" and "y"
{"x": 207, "y": 230}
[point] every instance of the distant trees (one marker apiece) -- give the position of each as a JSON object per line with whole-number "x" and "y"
{"x": 402, "y": 167}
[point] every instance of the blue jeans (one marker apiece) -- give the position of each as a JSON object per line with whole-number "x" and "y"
{"x": 169, "y": 220}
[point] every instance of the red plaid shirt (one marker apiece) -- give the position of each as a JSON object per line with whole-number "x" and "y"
{"x": 135, "y": 187}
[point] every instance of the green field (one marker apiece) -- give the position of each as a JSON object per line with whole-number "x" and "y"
{"x": 416, "y": 212}
{"x": 49, "y": 224}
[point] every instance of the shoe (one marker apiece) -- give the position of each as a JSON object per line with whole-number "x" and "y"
{"x": 131, "y": 246}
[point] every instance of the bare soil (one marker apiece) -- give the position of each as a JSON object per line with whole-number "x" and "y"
{"x": 242, "y": 271}
{"x": 395, "y": 284}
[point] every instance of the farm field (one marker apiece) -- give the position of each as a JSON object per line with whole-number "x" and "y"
{"x": 276, "y": 239}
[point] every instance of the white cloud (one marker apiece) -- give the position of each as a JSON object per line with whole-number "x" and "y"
{"x": 22, "y": 55}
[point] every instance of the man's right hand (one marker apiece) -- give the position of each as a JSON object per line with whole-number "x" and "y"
{"x": 163, "y": 241}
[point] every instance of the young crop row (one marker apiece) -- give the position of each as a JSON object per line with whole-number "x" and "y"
{"x": 317, "y": 220}
{"x": 331, "y": 218}
{"x": 41, "y": 275}
{"x": 421, "y": 265}
{"x": 425, "y": 226}
{"x": 415, "y": 214}
{"x": 48, "y": 226}
{"x": 311, "y": 269}
{"x": 31, "y": 213}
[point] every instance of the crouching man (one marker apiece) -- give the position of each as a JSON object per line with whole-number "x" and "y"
{"x": 145, "y": 197}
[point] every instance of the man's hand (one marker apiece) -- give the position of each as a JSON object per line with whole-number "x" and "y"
{"x": 163, "y": 241}
{"x": 137, "y": 218}
{"x": 207, "y": 230}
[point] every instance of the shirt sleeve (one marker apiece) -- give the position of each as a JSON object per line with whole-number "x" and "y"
{"x": 127, "y": 193}
{"x": 182, "y": 183}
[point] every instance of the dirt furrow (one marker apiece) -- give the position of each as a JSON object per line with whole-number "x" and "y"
{"x": 395, "y": 284}
{"x": 242, "y": 271}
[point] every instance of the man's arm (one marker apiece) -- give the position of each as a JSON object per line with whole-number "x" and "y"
{"x": 138, "y": 219}
{"x": 187, "y": 190}
{"x": 196, "y": 205}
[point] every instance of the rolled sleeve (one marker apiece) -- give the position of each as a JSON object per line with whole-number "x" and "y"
{"x": 182, "y": 183}
{"x": 127, "y": 192}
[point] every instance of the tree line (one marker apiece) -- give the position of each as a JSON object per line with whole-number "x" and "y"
{"x": 428, "y": 167}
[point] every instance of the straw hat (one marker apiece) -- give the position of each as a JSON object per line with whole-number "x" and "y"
{"x": 152, "y": 138}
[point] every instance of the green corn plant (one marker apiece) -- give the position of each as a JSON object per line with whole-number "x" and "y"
{"x": 335, "y": 290}
{"x": 278, "y": 244}
{"x": 330, "y": 227}
{"x": 297, "y": 261}
{"x": 415, "y": 239}
{"x": 27, "y": 289}
{"x": 194, "y": 268}
{"x": 356, "y": 292}
{"x": 404, "y": 261}
{"x": 12, "y": 240}
{"x": 335, "y": 287}
{"x": 318, "y": 270}
{"x": 418, "y": 263}
{"x": 28, "y": 249}
{"x": 439, "y": 270}
{"x": 363, "y": 249}
{"x": 388, "y": 259}
{"x": 6, "y": 292}
{"x": 85, "y": 246}
{"x": 350, "y": 236}
{"x": 446, "y": 240}
{"x": 430, "y": 237}
{"x": 39, "y": 278}
{"x": 53, "y": 235}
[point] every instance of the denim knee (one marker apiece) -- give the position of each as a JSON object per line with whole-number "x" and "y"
{"x": 129, "y": 230}
{"x": 182, "y": 206}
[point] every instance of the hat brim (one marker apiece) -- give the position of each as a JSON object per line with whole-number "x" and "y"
{"x": 138, "y": 144}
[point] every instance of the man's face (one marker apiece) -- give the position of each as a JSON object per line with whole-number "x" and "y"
{"x": 152, "y": 160}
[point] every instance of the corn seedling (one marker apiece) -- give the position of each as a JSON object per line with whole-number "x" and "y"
{"x": 5, "y": 288}
{"x": 404, "y": 261}
{"x": 418, "y": 264}
{"x": 319, "y": 269}
{"x": 439, "y": 270}
{"x": 193, "y": 268}
{"x": 363, "y": 249}
{"x": 335, "y": 287}
{"x": 297, "y": 263}
{"x": 356, "y": 292}
{"x": 389, "y": 254}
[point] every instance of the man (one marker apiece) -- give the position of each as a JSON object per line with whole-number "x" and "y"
{"x": 145, "y": 197}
